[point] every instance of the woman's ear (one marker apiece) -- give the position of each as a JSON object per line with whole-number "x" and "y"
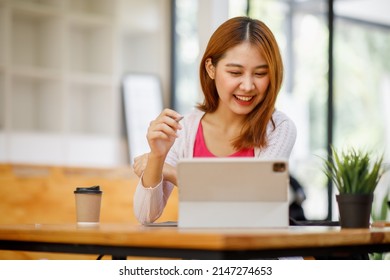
{"x": 210, "y": 68}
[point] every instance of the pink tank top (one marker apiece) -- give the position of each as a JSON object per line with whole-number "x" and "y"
{"x": 200, "y": 148}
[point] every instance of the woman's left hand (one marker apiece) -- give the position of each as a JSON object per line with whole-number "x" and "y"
{"x": 139, "y": 165}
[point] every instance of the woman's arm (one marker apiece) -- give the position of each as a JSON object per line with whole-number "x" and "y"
{"x": 149, "y": 203}
{"x": 161, "y": 135}
{"x": 152, "y": 191}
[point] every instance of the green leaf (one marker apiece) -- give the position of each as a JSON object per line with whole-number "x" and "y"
{"x": 351, "y": 171}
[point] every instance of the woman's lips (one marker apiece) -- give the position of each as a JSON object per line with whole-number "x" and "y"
{"x": 242, "y": 99}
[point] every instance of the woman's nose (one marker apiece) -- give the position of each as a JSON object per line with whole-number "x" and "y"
{"x": 247, "y": 84}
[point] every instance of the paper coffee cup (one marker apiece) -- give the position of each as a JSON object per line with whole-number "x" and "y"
{"x": 88, "y": 201}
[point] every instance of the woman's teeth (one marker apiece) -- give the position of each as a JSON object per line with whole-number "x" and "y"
{"x": 244, "y": 98}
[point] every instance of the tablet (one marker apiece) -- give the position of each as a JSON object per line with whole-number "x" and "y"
{"x": 233, "y": 192}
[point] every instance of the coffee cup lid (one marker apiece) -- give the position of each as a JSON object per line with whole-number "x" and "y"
{"x": 89, "y": 190}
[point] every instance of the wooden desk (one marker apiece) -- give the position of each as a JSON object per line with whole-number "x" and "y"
{"x": 121, "y": 240}
{"x": 28, "y": 191}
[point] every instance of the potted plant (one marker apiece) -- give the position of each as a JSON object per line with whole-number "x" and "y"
{"x": 355, "y": 176}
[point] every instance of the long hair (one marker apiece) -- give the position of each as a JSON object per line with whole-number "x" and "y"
{"x": 228, "y": 35}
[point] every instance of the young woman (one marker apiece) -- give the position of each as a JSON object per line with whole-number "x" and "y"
{"x": 241, "y": 74}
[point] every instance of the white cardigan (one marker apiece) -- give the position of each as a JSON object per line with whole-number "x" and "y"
{"x": 149, "y": 203}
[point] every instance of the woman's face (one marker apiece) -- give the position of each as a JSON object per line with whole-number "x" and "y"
{"x": 241, "y": 78}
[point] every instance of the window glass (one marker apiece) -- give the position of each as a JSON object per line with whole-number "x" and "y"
{"x": 186, "y": 82}
{"x": 302, "y": 34}
{"x": 361, "y": 78}
{"x": 362, "y": 81}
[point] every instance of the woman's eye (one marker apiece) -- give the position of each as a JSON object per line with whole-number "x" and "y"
{"x": 234, "y": 73}
{"x": 261, "y": 74}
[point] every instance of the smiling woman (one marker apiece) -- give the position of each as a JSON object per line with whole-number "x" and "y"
{"x": 241, "y": 74}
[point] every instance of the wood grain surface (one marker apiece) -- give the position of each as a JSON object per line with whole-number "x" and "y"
{"x": 215, "y": 239}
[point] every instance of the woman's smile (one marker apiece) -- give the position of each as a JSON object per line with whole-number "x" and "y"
{"x": 244, "y": 99}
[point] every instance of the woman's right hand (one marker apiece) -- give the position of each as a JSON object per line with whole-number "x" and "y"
{"x": 162, "y": 132}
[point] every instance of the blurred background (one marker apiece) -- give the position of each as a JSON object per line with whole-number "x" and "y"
{"x": 63, "y": 64}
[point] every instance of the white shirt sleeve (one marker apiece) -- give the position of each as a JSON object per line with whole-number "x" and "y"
{"x": 149, "y": 203}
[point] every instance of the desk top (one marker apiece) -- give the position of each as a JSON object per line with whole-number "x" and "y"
{"x": 209, "y": 239}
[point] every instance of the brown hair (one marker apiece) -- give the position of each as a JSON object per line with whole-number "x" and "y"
{"x": 231, "y": 33}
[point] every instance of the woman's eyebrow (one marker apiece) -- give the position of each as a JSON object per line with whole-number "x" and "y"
{"x": 240, "y": 66}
